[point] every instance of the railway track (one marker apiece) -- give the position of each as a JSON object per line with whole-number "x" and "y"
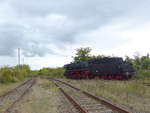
{"x": 12, "y": 97}
{"x": 85, "y": 102}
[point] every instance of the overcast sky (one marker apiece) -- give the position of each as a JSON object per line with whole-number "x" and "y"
{"x": 49, "y": 31}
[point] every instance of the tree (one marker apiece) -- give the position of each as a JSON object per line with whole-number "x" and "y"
{"x": 145, "y": 62}
{"x": 82, "y": 54}
{"x": 128, "y": 60}
{"x": 23, "y": 67}
{"x": 141, "y": 63}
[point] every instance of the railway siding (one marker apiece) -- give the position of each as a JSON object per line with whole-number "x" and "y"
{"x": 115, "y": 107}
{"x": 12, "y": 97}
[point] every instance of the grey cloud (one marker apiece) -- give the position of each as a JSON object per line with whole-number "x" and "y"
{"x": 33, "y": 30}
{"x": 13, "y": 37}
{"x": 78, "y": 8}
{"x": 33, "y": 49}
{"x": 9, "y": 40}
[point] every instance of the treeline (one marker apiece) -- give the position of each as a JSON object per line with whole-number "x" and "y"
{"x": 141, "y": 64}
{"x": 18, "y": 73}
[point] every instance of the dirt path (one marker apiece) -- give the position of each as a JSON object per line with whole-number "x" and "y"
{"x": 44, "y": 97}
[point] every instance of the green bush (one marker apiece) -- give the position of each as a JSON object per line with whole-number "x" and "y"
{"x": 21, "y": 67}
{"x": 6, "y": 75}
{"x": 33, "y": 73}
{"x": 143, "y": 74}
{"x": 14, "y": 74}
{"x": 53, "y": 72}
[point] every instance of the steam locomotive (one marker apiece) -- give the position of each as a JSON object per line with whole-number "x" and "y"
{"x": 104, "y": 68}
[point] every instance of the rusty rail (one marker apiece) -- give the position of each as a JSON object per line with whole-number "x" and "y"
{"x": 101, "y": 100}
{"x": 14, "y": 89}
{"x": 24, "y": 93}
{"x": 72, "y": 100}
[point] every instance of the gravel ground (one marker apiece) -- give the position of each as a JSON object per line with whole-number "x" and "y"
{"x": 44, "y": 97}
{"x": 131, "y": 93}
{"x": 6, "y": 102}
{"x": 89, "y": 104}
{"x": 6, "y": 87}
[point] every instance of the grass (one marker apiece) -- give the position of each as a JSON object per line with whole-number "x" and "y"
{"x": 7, "y": 100}
{"x": 131, "y": 93}
{"x": 44, "y": 98}
{"x": 6, "y": 87}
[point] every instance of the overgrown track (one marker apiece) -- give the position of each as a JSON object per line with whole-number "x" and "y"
{"x": 12, "y": 97}
{"x": 86, "y": 102}
{"x": 13, "y": 90}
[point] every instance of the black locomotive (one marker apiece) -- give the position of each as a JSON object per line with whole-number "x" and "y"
{"x": 113, "y": 68}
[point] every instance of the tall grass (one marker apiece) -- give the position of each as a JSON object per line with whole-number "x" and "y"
{"x": 132, "y": 93}
{"x": 142, "y": 75}
{"x": 14, "y": 74}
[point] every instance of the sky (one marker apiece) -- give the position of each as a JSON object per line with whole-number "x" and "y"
{"x": 49, "y": 31}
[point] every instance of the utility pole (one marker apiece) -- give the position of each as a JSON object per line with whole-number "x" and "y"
{"x": 22, "y": 60}
{"x": 18, "y": 56}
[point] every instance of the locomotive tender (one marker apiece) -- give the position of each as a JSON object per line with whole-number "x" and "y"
{"x": 113, "y": 68}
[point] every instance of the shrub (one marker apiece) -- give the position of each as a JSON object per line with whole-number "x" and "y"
{"x": 53, "y": 72}
{"x": 13, "y": 74}
{"x": 24, "y": 66}
{"x": 143, "y": 74}
{"x": 23, "y": 70}
{"x": 33, "y": 73}
{"x": 6, "y": 75}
